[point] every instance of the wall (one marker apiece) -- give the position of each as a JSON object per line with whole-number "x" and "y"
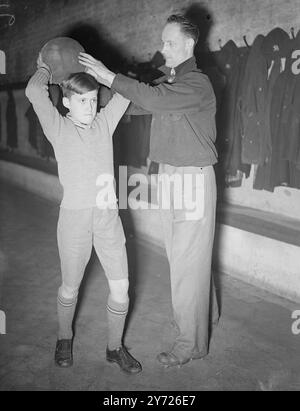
{"x": 131, "y": 28}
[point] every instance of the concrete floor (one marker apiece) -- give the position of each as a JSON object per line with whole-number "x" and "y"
{"x": 253, "y": 348}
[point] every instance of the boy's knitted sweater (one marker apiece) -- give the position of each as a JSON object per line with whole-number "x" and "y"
{"x": 83, "y": 153}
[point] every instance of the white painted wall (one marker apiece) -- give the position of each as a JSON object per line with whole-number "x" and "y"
{"x": 232, "y": 19}
{"x": 37, "y": 182}
{"x": 235, "y": 18}
{"x": 2, "y": 62}
{"x": 284, "y": 200}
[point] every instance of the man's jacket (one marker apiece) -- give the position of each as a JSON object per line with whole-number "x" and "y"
{"x": 183, "y": 131}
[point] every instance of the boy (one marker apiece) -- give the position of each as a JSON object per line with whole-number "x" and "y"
{"x": 82, "y": 142}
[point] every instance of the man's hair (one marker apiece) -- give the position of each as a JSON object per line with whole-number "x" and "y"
{"x": 187, "y": 27}
{"x": 79, "y": 83}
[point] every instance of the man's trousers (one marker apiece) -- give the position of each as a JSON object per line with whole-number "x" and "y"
{"x": 188, "y": 226}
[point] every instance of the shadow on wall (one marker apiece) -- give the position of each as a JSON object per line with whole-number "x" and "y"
{"x": 203, "y": 19}
{"x": 93, "y": 42}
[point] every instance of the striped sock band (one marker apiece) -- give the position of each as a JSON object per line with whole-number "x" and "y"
{"x": 116, "y": 312}
{"x": 65, "y": 311}
{"x": 116, "y": 316}
{"x": 66, "y": 302}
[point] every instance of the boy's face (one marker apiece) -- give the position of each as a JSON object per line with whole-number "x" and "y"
{"x": 82, "y": 107}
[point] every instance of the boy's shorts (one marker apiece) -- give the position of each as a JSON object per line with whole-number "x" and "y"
{"x": 78, "y": 231}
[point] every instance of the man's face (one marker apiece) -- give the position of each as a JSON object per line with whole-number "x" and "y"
{"x": 177, "y": 47}
{"x": 83, "y": 107}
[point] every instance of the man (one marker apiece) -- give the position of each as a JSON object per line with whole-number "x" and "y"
{"x": 182, "y": 142}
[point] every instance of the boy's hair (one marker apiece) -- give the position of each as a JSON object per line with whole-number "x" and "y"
{"x": 187, "y": 27}
{"x": 79, "y": 83}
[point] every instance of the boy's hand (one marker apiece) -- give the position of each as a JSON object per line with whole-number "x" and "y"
{"x": 41, "y": 64}
{"x": 97, "y": 69}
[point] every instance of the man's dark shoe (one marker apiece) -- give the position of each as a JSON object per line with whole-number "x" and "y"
{"x": 63, "y": 353}
{"x": 126, "y": 362}
{"x": 169, "y": 359}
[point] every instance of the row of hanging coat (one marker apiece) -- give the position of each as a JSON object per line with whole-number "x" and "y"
{"x": 258, "y": 118}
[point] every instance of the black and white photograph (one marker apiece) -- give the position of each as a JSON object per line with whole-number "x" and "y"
{"x": 149, "y": 198}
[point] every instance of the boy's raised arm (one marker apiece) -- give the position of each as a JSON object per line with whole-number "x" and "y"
{"x": 114, "y": 111}
{"x": 37, "y": 93}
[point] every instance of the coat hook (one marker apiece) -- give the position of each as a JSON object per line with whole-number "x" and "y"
{"x": 293, "y": 32}
{"x": 245, "y": 40}
{"x": 220, "y": 43}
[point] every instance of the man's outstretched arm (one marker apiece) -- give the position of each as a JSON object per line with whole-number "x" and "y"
{"x": 191, "y": 94}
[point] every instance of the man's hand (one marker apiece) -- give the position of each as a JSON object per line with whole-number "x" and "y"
{"x": 99, "y": 79}
{"x": 97, "y": 69}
